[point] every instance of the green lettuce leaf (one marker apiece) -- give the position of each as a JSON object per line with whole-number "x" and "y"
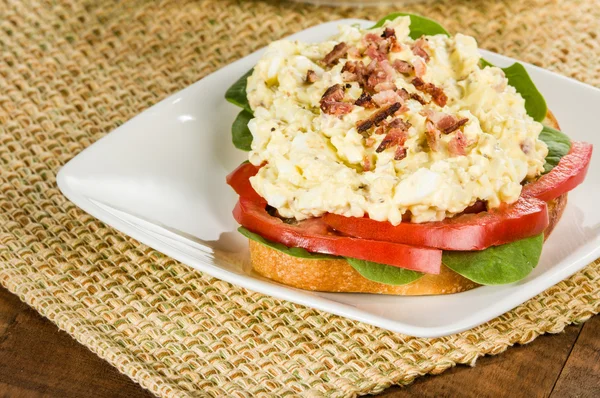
{"x": 240, "y": 133}
{"x": 236, "y": 94}
{"x": 497, "y": 265}
{"x": 517, "y": 76}
{"x": 383, "y": 273}
{"x": 292, "y": 251}
{"x": 419, "y": 25}
{"x": 558, "y": 144}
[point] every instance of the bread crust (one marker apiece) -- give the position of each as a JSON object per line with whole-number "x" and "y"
{"x": 335, "y": 275}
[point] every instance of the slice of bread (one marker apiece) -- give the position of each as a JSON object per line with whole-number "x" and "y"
{"x": 334, "y": 275}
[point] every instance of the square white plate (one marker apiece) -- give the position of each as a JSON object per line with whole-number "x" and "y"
{"x": 160, "y": 178}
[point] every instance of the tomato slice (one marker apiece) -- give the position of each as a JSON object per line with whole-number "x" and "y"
{"x": 239, "y": 180}
{"x": 315, "y": 236}
{"x": 524, "y": 218}
{"x": 568, "y": 173}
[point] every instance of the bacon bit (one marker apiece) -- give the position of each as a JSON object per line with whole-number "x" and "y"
{"x": 444, "y": 122}
{"x": 388, "y": 32}
{"x": 526, "y": 146}
{"x": 457, "y": 144}
{"x": 334, "y": 55}
{"x": 456, "y": 125}
{"x": 433, "y": 136}
{"x": 355, "y": 71}
{"x": 403, "y": 66}
{"x": 379, "y": 130}
{"x": 419, "y": 49}
{"x": 400, "y": 153}
{"x": 378, "y": 72}
{"x": 365, "y": 101}
{"x": 377, "y": 117}
{"x": 403, "y": 94}
{"x": 311, "y": 76}
{"x": 331, "y": 101}
{"x": 369, "y": 142}
{"x": 418, "y": 98}
{"x": 420, "y": 67}
{"x": 395, "y": 47}
{"x": 366, "y": 163}
{"x": 373, "y": 38}
{"x": 398, "y": 123}
{"x": 437, "y": 94}
{"x": 385, "y": 86}
{"x": 395, "y": 136}
{"x": 386, "y": 97}
{"x": 374, "y": 52}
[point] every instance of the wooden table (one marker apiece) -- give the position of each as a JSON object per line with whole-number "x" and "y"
{"x": 37, "y": 359}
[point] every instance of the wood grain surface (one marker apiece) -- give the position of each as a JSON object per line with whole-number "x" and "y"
{"x": 38, "y": 360}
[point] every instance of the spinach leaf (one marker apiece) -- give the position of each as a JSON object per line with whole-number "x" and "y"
{"x": 292, "y": 251}
{"x": 236, "y": 94}
{"x": 497, "y": 265}
{"x": 240, "y": 133}
{"x": 558, "y": 144}
{"x": 419, "y": 25}
{"x": 383, "y": 273}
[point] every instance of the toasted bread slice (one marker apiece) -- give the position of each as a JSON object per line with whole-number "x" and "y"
{"x": 338, "y": 276}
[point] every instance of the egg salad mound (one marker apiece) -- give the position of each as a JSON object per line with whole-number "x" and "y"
{"x": 372, "y": 122}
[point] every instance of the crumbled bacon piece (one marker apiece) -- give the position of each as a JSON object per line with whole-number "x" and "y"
{"x": 377, "y": 117}
{"x": 398, "y": 123}
{"x": 386, "y": 97}
{"x": 331, "y": 101}
{"x": 384, "y": 86}
{"x": 420, "y": 67}
{"x": 369, "y": 142}
{"x": 437, "y": 94}
{"x": 395, "y": 136}
{"x": 444, "y": 122}
{"x": 355, "y": 71}
{"x": 366, "y": 163}
{"x": 379, "y": 130}
{"x": 375, "y": 52}
{"x": 365, "y": 101}
{"x": 418, "y": 98}
{"x": 419, "y": 49}
{"x": 403, "y": 94}
{"x": 526, "y": 146}
{"x": 403, "y": 66}
{"x": 388, "y": 32}
{"x": 395, "y": 47}
{"x": 392, "y": 43}
{"x": 458, "y": 144}
{"x": 400, "y": 153}
{"x": 311, "y": 76}
{"x": 433, "y": 136}
{"x": 332, "y": 58}
{"x": 378, "y": 72}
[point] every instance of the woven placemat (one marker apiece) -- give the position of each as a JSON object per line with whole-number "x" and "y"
{"x": 72, "y": 71}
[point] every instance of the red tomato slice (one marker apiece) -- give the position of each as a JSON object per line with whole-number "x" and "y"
{"x": 568, "y": 173}
{"x": 314, "y": 236}
{"x": 524, "y": 218}
{"x": 239, "y": 180}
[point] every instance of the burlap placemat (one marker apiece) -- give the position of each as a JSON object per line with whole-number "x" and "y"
{"x": 71, "y": 71}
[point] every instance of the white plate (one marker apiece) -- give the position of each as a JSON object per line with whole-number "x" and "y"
{"x": 160, "y": 178}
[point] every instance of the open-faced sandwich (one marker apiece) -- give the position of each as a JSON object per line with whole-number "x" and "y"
{"x": 396, "y": 160}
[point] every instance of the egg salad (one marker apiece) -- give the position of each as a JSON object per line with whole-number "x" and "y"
{"x": 372, "y": 122}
